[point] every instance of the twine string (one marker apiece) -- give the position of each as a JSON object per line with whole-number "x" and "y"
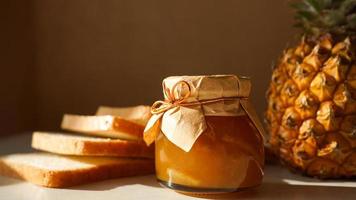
{"x": 172, "y": 102}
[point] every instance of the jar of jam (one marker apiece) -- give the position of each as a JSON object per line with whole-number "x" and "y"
{"x": 207, "y": 135}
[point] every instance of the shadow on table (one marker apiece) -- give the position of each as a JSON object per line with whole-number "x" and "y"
{"x": 149, "y": 181}
{"x": 280, "y": 183}
{"x": 5, "y": 181}
{"x": 281, "y": 174}
{"x": 20, "y": 143}
{"x": 285, "y": 191}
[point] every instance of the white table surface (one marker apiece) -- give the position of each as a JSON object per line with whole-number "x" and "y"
{"x": 278, "y": 183}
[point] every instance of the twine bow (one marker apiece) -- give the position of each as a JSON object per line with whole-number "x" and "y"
{"x": 171, "y": 101}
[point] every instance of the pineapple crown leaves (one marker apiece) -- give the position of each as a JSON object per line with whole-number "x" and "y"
{"x": 318, "y": 17}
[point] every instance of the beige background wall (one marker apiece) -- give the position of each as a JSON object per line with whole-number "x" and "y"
{"x": 116, "y": 52}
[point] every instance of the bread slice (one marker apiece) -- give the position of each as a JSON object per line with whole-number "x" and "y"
{"x": 138, "y": 114}
{"x": 90, "y": 146}
{"x": 105, "y": 126}
{"x": 51, "y": 170}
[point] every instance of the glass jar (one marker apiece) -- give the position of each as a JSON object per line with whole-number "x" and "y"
{"x": 227, "y": 156}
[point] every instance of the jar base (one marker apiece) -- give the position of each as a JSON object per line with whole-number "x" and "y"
{"x": 196, "y": 191}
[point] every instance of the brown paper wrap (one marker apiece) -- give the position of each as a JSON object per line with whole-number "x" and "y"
{"x": 188, "y": 99}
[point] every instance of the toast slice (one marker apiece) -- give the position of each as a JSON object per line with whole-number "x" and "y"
{"x": 51, "y": 170}
{"x": 105, "y": 126}
{"x": 89, "y": 146}
{"x": 138, "y": 114}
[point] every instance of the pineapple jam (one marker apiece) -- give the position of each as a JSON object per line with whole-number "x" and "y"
{"x": 227, "y": 156}
{"x": 207, "y": 136}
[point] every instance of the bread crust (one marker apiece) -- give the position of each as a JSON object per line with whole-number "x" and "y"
{"x": 139, "y": 114}
{"x": 106, "y": 125}
{"x": 70, "y": 177}
{"x": 126, "y": 126}
{"x": 90, "y": 146}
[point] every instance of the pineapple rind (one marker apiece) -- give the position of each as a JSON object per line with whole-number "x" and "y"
{"x": 311, "y": 115}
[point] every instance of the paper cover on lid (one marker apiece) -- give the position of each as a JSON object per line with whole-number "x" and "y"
{"x": 188, "y": 99}
{"x": 209, "y": 87}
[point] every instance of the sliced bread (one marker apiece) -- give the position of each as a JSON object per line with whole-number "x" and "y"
{"x": 138, "y": 114}
{"x": 105, "y": 126}
{"x": 90, "y": 146}
{"x": 51, "y": 170}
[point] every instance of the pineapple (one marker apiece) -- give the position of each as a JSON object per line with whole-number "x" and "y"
{"x": 311, "y": 112}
